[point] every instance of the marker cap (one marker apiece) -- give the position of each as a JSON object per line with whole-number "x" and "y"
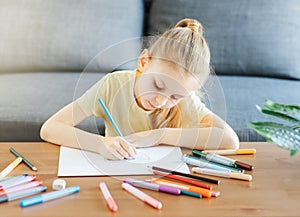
{"x": 153, "y": 202}
{"x": 244, "y": 165}
{"x": 31, "y": 201}
{"x": 3, "y": 199}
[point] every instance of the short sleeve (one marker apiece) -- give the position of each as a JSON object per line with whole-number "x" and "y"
{"x": 88, "y": 102}
{"x": 193, "y": 111}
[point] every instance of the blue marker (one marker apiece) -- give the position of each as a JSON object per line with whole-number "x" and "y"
{"x": 49, "y": 196}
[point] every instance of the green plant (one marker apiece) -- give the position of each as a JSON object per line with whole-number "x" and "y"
{"x": 284, "y": 136}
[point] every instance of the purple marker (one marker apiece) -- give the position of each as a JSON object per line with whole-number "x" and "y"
{"x": 154, "y": 187}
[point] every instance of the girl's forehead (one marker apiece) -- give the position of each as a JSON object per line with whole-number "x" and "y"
{"x": 174, "y": 75}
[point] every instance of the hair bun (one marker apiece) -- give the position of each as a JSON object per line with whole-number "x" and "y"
{"x": 192, "y": 24}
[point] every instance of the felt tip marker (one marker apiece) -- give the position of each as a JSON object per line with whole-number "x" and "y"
{"x": 49, "y": 196}
{"x": 214, "y": 158}
{"x": 223, "y": 160}
{"x": 231, "y": 151}
{"x": 15, "y": 181}
{"x": 154, "y": 187}
{"x": 178, "y": 178}
{"x": 204, "y": 192}
{"x": 240, "y": 176}
{"x": 21, "y": 194}
{"x": 111, "y": 204}
{"x": 142, "y": 196}
{"x": 214, "y": 181}
{"x": 202, "y": 163}
{"x": 20, "y": 187}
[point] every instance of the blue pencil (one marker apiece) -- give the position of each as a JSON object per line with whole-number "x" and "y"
{"x": 114, "y": 125}
{"x": 110, "y": 117}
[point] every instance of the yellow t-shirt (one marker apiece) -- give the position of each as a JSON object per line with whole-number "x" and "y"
{"x": 116, "y": 91}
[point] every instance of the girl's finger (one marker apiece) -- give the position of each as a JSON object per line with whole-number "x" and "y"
{"x": 120, "y": 148}
{"x": 116, "y": 153}
{"x": 128, "y": 147}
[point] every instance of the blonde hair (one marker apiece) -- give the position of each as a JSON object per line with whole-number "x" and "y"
{"x": 185, "y": 46}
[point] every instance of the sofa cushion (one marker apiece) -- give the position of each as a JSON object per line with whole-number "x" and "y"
{"x": 234, "y": 98}
{"x": 257, "y": 37}
{"x": 29, "y": 99}
{"x": 64, "y": 35}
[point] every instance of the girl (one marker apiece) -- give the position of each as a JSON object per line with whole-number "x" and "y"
{"x": 152, "y": 105}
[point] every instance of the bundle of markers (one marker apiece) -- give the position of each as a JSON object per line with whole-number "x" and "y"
{"x": 186, "y": 186}
{"x": 214, "y": 164}
{"x": 12, "y": 188}
{"x": 177, "y": 183}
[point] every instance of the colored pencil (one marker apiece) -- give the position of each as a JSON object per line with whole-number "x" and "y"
{"x": 11, "y": 167}
{"x": 131, "y": 151}
{"x": 30, "y": 165}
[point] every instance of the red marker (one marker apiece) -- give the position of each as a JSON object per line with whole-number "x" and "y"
{"x": 199, "y": 184}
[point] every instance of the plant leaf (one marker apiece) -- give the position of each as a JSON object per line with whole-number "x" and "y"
{"x": 293, "y": 153}
{"x": 282, "y": 135}
{"x": 279, "y": 115}
{"x": 290, "y": 110}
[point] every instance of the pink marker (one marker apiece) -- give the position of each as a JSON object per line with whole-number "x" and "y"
{"x": 21, "y": 187}
{"x": 18, "y": 180}
{"x": 142, "y": 196}
{"x": 109, "y": 199}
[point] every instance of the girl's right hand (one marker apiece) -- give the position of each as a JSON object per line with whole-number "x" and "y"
{"x": 116, "y": 148}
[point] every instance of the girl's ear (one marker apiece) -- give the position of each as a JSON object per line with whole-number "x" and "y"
{"x": 143, "y": 60}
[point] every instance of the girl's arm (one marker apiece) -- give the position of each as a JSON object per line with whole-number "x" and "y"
{"x": 213, "y": 133}
{"x": 60, "y": 129}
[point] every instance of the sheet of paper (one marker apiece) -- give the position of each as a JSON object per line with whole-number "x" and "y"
{"x": 74, "y": 162}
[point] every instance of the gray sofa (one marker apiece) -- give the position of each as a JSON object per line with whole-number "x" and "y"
{"x": 52, "y": 51}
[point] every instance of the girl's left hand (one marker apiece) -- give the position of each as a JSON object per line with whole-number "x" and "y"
{"x": 146, "y": 138}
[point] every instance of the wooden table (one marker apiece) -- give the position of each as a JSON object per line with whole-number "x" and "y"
{"x": 274, "y": 190}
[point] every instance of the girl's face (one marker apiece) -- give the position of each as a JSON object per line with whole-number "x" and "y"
{"x": 162, "y": 85}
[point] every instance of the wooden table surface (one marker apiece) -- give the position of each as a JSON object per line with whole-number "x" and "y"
{"x": 274, "y": 190}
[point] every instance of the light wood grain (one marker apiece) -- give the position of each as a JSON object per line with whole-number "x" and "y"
{"x": 274, "y": 191}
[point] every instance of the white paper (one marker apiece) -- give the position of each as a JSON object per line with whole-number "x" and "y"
{"x": 74, "y": 162}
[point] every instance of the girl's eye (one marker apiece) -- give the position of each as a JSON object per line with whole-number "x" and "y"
{"x": 157, "y": 86}
{"x": 175, "y": 97}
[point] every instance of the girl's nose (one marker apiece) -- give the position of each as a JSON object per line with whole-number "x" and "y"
{"x": 161, "y": 100}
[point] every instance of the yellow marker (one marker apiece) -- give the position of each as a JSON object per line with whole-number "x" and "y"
{"x": 231, "y": 151}
{"x": 10, "y": 167}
